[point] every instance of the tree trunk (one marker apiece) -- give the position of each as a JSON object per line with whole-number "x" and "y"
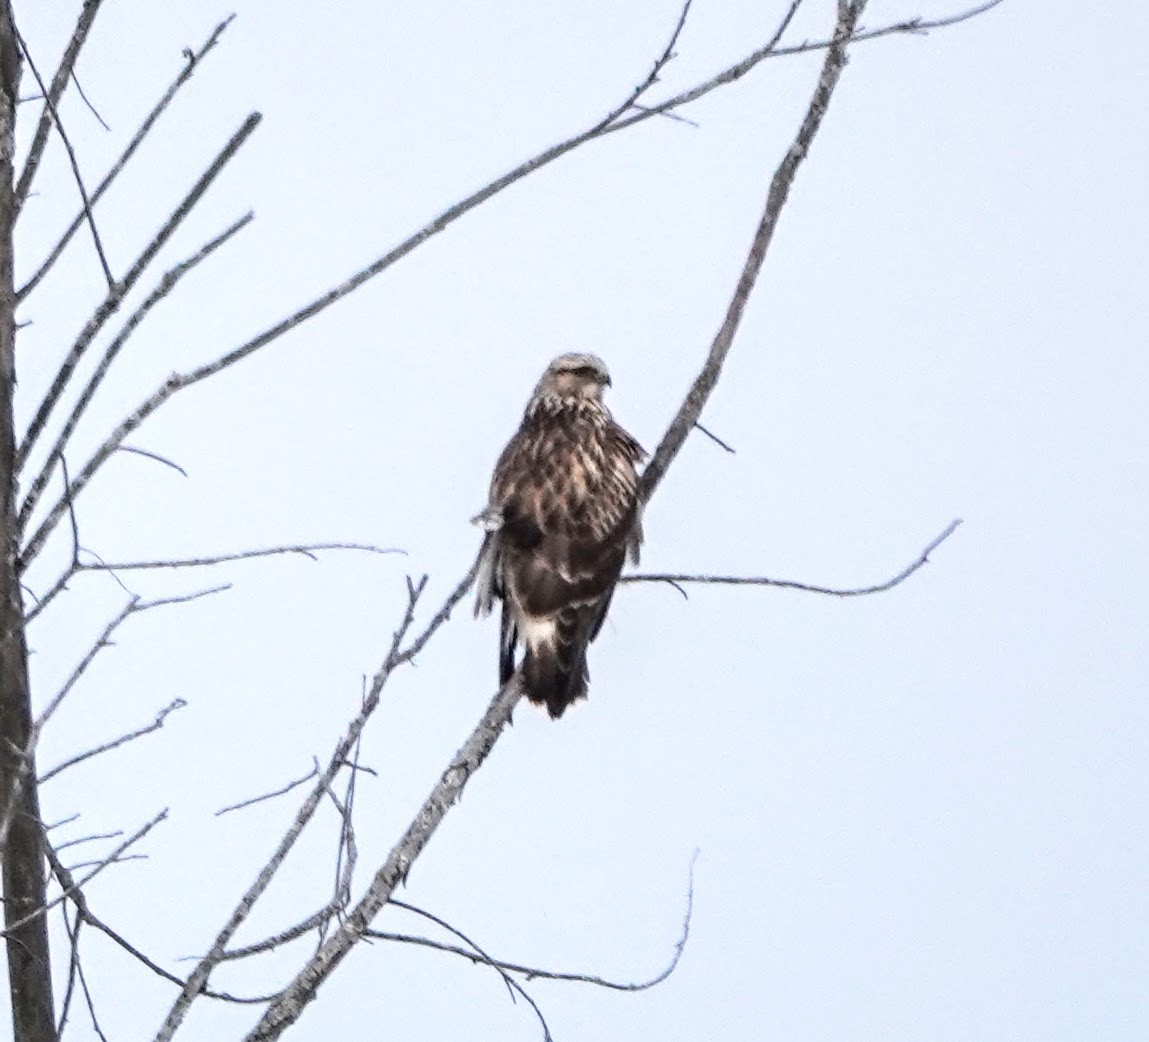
{"x": 29, "y": 967}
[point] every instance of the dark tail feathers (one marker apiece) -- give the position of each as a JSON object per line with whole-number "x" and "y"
{"x": 555, "y": 676}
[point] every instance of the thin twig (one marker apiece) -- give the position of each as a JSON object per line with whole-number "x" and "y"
{"x": 304, "y": 549}
{"x": 91, "y": 108}
{"x": 51, "y": 98}
{"x": 50, "y": 104}
{"x": 909, "y": 27}
{"x": 88, "y": 839}
{"x": 714, "y": 438}
{"x": 115, "y": 743}
{"x": 271, "y": 795}
{"x": 148, "y": 454}
{"x": 535, "y": 972}
{"x": 676, "y": 578}
{"x": 158, "y": 109}
{"x": 90, "y": 1003}
{"x": 513, "y": 986}
{"x": 470, "y": 757}
{"x": 307, "y": 550}
{"x": 73, "y": 932}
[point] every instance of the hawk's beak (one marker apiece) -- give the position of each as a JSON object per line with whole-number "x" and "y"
{"x": 606, "y": 382}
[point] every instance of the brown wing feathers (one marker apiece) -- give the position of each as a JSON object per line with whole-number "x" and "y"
{"x": 565, "y": 489}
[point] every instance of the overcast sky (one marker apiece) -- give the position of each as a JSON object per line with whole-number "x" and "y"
{"x": 920, "y": 815}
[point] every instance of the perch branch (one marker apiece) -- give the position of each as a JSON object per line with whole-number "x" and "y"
{"x": 706, "y": 380}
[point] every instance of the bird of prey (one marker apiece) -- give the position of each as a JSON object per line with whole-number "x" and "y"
{"x": 563, "y": 513}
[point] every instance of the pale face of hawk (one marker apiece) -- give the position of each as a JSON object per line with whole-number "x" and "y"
{"x": 574, "y": 376}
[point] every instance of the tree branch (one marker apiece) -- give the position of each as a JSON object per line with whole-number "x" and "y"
{"x": 158, "y": 109}
{"x": 676, "y": 578}
{"x": 115, "y": 743}
{"x": 51, "y": 98}
{"x": 85, "y": 202}
{"x": 704, "y": 383}
{"x": 397, "y": 656}
{"x": 163, "y": 288}
{"x": 115, "y": 296}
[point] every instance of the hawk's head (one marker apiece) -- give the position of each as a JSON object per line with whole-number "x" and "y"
{"x": 576, "y": 376}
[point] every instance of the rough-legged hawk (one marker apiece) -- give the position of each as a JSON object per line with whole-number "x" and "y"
{"x": 563, "y": 513}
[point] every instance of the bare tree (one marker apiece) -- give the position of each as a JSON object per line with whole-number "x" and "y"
{"x": 35, "y": 517}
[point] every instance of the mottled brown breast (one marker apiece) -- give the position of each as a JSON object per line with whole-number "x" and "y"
{"x": 567, "y": 486}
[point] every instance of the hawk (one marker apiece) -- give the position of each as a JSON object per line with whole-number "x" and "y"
{"x": 563, "y": 514}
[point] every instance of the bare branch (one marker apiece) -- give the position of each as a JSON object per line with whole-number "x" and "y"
{"x": 534, "y": 972}
{"x": 304, "y": 549}
{"x": 513, "y": 986}
{"x": 158, "y": 109}
{"x": 131, "y": 736}
{"x": 88, "y": 104}
{"x": 470, "y": 757}
{"x": 80, "y": 901}
{"x": 147, "y": 454}
{"x": 339, "y": 760}
{"x": 101, "y": 642}
{"x": 50, "y": 107}
{"x": 52, "y": 97}
{"x": 163, "y": 288}
{"x": 73, "y": 933}
{"x": 909, "y": 27}
{"x": 691, "y": 409}
{"x": 90, "y": 1003}
{"x": 675, "y": 578}
{"x": 271, "y": 795}
{"x": 116, "y": 295}
{"x": 88, "y": 839}
{"x": 292, "y": 933}
{"x": 133, "y": 607}
{"x": 111, "y": 859}
{"x": 714, "y": 438}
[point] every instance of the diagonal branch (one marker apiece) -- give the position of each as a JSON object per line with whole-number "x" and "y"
{"x": 163, "y": 288}
{"x": 286, "y": 1009}
{"x": 111, "y": 859}
{"x": 115, "y": 743}
{"x": 115, "y": 296}
{"x": 191, "y": 64}
{"x": 50, "y": 107}
{"x": 51, "y": 99}
{"x": 397, "y": 656}
{"x": 691, "y": 409}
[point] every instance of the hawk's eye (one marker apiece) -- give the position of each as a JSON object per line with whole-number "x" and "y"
{"x": 587, "y": 372}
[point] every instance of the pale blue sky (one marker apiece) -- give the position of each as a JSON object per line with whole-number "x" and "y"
{"x": 921, "y": 816}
